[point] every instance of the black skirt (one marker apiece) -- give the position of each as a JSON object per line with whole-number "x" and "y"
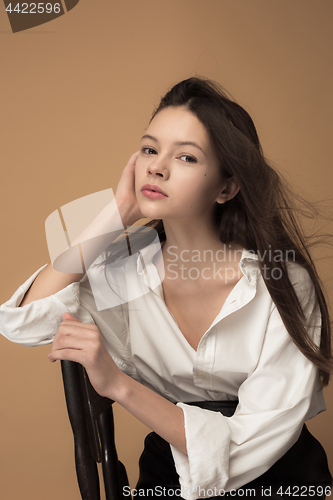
{"x": 301, "y": 473}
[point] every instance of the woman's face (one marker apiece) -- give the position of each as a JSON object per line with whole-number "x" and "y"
{"x": 177, "y": 156}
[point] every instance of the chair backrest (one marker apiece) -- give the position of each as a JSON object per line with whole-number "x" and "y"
{"x": 91, "y": 418}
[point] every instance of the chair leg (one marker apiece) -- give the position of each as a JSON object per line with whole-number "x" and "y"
{"x": 87, "y": 473}
{"x": 86, "y": 468}
{"x": 123, "y": 478}
{"x": 112, "y": 472}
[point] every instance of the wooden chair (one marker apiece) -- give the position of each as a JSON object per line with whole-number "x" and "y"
{"x": 91, "y": 418}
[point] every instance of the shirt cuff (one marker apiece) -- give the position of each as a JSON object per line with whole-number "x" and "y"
{"x": 204, "y": 471}
{"x": 37, "y": 323}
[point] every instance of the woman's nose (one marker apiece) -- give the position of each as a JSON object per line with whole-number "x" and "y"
{"x": 158, "y": 167}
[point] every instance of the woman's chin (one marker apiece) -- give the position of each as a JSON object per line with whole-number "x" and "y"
{"x": 151, "y": 213}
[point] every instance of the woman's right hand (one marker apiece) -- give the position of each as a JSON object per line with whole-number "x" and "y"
{"x": 125, "y": 194}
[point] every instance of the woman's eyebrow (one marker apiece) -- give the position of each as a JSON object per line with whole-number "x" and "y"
{"x": 177, "y": 143}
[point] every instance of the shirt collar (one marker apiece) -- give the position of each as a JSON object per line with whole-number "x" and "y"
{"x": 249, "y": 265}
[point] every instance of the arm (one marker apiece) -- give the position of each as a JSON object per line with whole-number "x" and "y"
{"x": 159, "y": 414}
{"x": 280, "y": 394}
{"x": 32, "y": 315}
{"x": 49, "y": 281}
{"x": 215, "y": 451}
{"x": 83, "y": 343}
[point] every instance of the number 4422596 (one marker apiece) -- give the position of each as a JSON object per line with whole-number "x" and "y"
{"x": 34, "y": 8}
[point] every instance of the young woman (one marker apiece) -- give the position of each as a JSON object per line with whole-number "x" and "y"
{"x": 232, "y": 325}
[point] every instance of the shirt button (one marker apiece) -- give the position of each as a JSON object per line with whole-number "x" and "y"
{"x": 201, "y": 374}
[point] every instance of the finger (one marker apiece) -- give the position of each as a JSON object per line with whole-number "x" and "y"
{"x": 135, "y": 155}
{"x": 68, "y": 342}
{"x": 68, "y": 316}
{"x": 131, "y": 162}
{"x": 66, "y": 354}
{"x": 77, "y": 326}
{"x": 75, "y": 340}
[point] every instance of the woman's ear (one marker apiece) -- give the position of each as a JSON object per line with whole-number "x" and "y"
{"x": 229, "y": 190}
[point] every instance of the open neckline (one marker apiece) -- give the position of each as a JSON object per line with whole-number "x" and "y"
{"x": 162, "y": 297}
{"x": 159, "y": 291}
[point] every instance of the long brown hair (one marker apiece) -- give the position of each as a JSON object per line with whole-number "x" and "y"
{"x": 261, "y": 217}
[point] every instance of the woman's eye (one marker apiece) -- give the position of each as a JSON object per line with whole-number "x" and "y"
{"x": 188, "y": 159}
{"x": 149, "y": 151}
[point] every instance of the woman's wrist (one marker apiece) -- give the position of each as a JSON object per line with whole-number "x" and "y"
{"x": 152, "y": 409}
{"x": 128, "y": 213}
{"x": 120, "y": 388}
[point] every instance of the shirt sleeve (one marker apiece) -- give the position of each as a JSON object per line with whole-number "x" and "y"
{"x": 225, "y": 453}
{"x": 37, "y": 323}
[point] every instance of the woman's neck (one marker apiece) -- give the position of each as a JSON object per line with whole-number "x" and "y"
{"x": 199, "y": 244}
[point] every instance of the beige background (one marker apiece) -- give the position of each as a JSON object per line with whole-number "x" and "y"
{"x": 76, "y": 95}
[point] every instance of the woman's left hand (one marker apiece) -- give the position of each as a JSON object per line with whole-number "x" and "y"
{"x": 83, "y": 343}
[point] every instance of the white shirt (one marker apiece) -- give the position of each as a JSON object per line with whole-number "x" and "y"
{"x": 246, "y": 353}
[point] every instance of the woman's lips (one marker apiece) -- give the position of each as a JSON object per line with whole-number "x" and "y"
{"x": 153, "y": 191}
{"x": 153, "y": 194}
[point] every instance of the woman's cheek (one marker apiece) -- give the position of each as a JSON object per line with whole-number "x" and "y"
{"x": 137, "y": 178}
